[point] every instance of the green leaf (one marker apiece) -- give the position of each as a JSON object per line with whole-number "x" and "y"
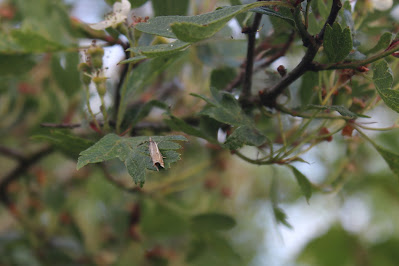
{"x": 240, "y": 17}
{"x": 33, "y": 42}
{"x": 306, "y": 91}
{"x": 281, "y": 26}
{"x": 226, "y": 110}
{"x": 214, "y": 250}
{"x": 383, "y": 80}
{"x": 210, "y": 127}
{"x": 190, "y": 28}
{"x": 146, "y": 72}
{"x": 384, "y": 253}
{"x": 132, "y": 152}
{"x": 221, "y": 53}
{"x": 143, "y": 52}
{"x": 15, "y": 64}
{"x": 323, "y": 8}
{"x": 8, "y": 46}
{"x": 196, "y": 28}
{"x": 161, "y": 220}
{"x": 196, "y": 248}
{"x": 193, "y": 28}
{"x": 271, "y": 12}
{"x": 137, "y": 3}
{"x": 315, "y": 25}
{"x": 143, "y": 75}
{"x": 337, "y": 42}
{"x": 170, "y": 7}
{"x": 220, "y": 77}
{"x": 66, "y": 142}
{"x": 391, "y": 158}
{"x": 134, "y": 3}
{"x": 178, "y": 124}
{"x": 323, "y": 249}
{"x": 383, "y": 43}
{"x": 244, "y": 135}
{"x": 382, "y": 75}
{"x": 390, "y": 98}
{"x": 65, "y": 72}
{"x": 212, "y": 222}
{"x": 48, "y": 19}
{"x": 339, "y": 108}
{"x": 281, "y": 216}
{"x": 133, "y": 59}
{"x": 144, "y": 110}
{"x": 303, "y": 183}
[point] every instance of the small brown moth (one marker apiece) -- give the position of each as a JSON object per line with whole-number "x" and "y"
{"x": 156, "y": 155}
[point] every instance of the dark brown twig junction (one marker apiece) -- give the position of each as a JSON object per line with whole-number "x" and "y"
{"x": 269, "y": 96}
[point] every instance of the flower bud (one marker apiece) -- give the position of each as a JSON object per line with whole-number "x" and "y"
{"x": 86, "y": 79}
{"x": 96, "y": 54}
{"x": 282, "y": 70}
{"x": 84, "y": 67}
{"x": 100, "y": 85}
{"x": 347, "y": 130}
{"x": 325, "y": 131}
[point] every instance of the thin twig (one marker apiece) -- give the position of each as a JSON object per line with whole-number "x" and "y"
{"x": 12, "y": 153}
{"x": 278, "y": 54}
{"x": 156, "y": 126}
{"x": 295, "y": 113}
{"x": 22, "y": 167}
{"x": 355, "y": 64}
{"x": 260, "y": 48}
{"x": 117, "y": 95}
{"x": 62, "y": 125}
{"x": 118, "y": 183}
{"x": 336, "y": 6}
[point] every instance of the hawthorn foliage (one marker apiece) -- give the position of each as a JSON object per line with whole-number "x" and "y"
{"x": 206, "y": 95}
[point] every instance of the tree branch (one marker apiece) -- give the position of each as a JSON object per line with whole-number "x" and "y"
{"x": 117, "y": 95}
{"x": 12, "y": 153}
{"x": 251, "y": 32}
{"x": 118, "y": 183}
{"x": 268, "y": 96}
{"x": 23, "y": 166}
{"x": 62, "y": 125}
{"x": 355, "y": 64}
{"x": 279, "y": 52}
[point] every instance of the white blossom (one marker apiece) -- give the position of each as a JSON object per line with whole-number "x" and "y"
{"x": 118, "y": 15}
{"x": 382, "y": 5}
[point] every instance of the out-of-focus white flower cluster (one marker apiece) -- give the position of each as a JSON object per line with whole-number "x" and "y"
{"x": 118, "y": 15}
{"x": 382, "y": 5}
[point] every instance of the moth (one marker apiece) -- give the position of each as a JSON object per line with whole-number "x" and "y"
{"x": 155, "y": 154}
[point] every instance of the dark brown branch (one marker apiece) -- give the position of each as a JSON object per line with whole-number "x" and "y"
{"x": 354, "y": 64}
{"x": 12, "y": 153}
{"x": 143, "y": 125}
{"x": 117, "y": 95}
{"x": 277, "y": 52}
{"x": 90, "y": 33}
{"x": 23, "y": 166}
{"x": 62, "y": 125}
{"x": 336, "y": 6}
{"x": 268, "y": 96}
{"x": 246, "y": 90}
